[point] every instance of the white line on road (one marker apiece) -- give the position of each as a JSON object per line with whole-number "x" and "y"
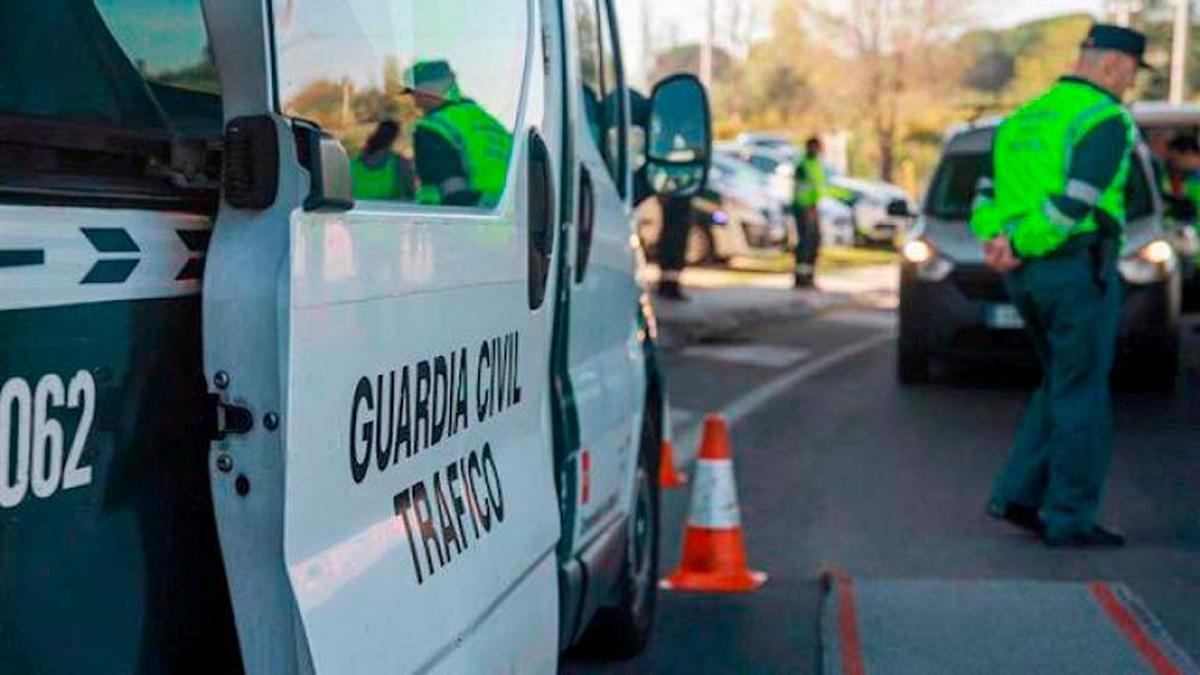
{"x": 756, "y": 398}
{"x": 760, "y": 355}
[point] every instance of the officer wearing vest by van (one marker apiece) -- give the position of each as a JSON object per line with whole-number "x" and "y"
{"x": 461, "y": 150}
{"x": 378, "y": 172}
{"x": 810, "y": 187}
{"x": 1051, "y": 217}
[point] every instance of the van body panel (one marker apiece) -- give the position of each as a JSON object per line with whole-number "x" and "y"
{"x": 408, "y": 486}
{"x": 104, "y": 503}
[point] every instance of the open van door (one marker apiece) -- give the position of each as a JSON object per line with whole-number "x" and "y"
{"x": 383, "y": 478}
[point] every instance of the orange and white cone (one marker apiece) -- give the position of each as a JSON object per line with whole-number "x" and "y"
{"x": 668, "y": 476}
{"x": 714, "y": 555}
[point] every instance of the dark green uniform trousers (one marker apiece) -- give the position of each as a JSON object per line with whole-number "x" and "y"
{"x": 1061, "y": 455}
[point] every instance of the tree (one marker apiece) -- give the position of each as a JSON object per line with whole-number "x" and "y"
{"x": 898, "y": 50}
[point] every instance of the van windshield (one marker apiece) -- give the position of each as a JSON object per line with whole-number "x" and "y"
{"x": 124, "y": 99}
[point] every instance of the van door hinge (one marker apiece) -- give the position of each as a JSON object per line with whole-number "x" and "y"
{"x": 224, "y": 418}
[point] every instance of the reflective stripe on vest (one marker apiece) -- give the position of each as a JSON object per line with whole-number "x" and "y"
{"x": 1032, "y": 156}
{"x": 484, "y": 146}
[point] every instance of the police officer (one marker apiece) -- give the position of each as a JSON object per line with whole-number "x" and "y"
{"x": 378, "y": 172}
{"x": 461, "y": 150}
{"x": 1051, "y": 218}
{"x": 1180, "y": 177}
{"x": 810, "y": 187}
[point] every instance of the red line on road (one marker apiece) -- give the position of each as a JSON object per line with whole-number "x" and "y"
{"x": 1133, "y": 630}
{"x": 852, "y": 658}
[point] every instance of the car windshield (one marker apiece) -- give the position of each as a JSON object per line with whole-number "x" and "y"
{"x": 763, "y": 163}
{"x": 124, "y": 91}
{"x": 739, "y": 169}
{"x": 953, "y": 188}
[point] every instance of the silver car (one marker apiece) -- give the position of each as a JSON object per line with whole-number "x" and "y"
{"x": 951, "y": 305}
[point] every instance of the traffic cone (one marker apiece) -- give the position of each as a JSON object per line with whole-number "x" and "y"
{"x": 714, "y": 556}
{"x": 668, "y": 476}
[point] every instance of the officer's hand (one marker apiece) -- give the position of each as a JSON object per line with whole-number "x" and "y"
{"x": 998, "y": 255}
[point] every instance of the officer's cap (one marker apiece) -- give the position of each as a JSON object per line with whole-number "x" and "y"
{"x": 1118, "y": 39}
{"x": 435, "y": 77}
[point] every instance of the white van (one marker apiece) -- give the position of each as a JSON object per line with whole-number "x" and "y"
{"x": 321, "y": 341}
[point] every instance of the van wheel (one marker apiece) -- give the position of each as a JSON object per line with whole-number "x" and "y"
{"x": 621, "y": 632}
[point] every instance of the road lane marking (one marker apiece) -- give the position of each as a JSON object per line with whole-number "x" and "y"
{"x": 759, "y": 355}
{"x": 1135, "y": 630}
{"x": 758, "y": 397}
{"x": 852, "y": 656}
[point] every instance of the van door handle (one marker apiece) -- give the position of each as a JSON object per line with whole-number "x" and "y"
{"x": 587, "y": 223}
{"x": 540, "y": 217}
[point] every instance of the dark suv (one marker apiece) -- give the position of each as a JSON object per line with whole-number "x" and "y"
{"x": 951, "y": 305}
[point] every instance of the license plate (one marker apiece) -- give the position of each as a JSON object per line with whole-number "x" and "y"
{"x": 1004, "y": 316}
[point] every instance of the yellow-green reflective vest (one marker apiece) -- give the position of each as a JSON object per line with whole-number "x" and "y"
{"x": 378, "y": 182}
{"x": 484, "y": 146}
{"x": 810, "y": 181}
{"x": 1032, "y": 156}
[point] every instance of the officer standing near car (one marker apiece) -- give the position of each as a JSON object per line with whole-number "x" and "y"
{"x": 461, "y": 149}
{"x": 1051, "y": 217}
{"x": 810, "y": 187}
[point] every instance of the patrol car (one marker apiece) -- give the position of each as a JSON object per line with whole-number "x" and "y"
{"x": 951, "y": 305}
{"x": 257, "y": 417}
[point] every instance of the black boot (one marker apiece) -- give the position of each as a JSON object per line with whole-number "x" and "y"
{"x": 1097, "y": 536}
{"x": 1024, "y": 517}
{"x": 671, "y": 290}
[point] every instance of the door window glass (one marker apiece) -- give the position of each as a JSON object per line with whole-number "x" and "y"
{"x": 613, "y": 107}
{"x": 587, "y": 32}
{"x": 602, "y": 83}
{"x": 97, "y": 108}
{"x": 424, "y": 95}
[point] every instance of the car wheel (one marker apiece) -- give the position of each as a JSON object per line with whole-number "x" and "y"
{"x": 1191, "y": 294}
{"x": 912, "y": 366}
{"x": 1159, "y": 369}
{"x": 700, "y": 248}
{"x": 912, "y": 355}
{"x": 622, "y": 631}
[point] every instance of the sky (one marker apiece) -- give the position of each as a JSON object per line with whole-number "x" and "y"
{"x": 685, "y": 18}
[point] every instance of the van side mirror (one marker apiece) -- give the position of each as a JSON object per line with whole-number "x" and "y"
{"x": 678, "y": 137}
{"x": 331, "y": 189}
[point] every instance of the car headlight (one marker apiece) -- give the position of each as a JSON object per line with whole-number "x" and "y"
{"x": 1150, "y": 264}
{"x": 917, "y": 251}
{"x": 929, "y": 264}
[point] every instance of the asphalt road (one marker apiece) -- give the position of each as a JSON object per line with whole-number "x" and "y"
{"x": 845, "y": 468}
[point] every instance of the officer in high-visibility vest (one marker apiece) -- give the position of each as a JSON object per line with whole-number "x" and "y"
{"x": 461, "y": 150}
{"x": 378, "y": 172}
{"x": 1180, "y": 177}
{"x": 810, "y": 187}
{"x": 1051, "y": 217}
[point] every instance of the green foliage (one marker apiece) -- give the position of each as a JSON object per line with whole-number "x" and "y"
{"x": 815, "y": 73}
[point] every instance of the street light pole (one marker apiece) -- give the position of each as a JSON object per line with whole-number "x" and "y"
{"x": 1179, "y": 48}
{"x": 706, "y": 49}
